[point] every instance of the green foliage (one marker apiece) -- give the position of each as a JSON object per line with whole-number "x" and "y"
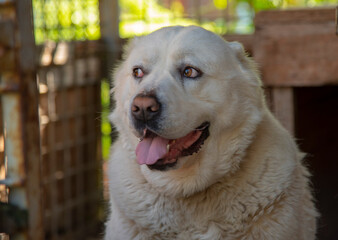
{"x": 220, "y": 4}
{"x": 79, "y": 19}
{"x": 105, "y": 125}
{"x": 138, "y": 17}
{"x": 66, "y": 20}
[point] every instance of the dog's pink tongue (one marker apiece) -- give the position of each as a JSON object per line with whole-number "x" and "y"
{"x": 151, "y": 149}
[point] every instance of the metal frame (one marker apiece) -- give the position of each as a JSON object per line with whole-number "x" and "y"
{"x": 69, "y": 129}
{"x": 55, "y": 187}
{"x": 21, "y": 120}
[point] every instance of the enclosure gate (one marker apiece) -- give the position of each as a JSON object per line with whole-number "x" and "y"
{"x": 49, "y": 139}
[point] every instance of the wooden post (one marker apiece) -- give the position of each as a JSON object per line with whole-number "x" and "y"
{"x": 283, "y": 107}
{"x": 30, "y": 116}
{"x": 109, "y": 22}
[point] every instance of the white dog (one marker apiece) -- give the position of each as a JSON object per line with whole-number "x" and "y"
{"x": 199, "y": 155}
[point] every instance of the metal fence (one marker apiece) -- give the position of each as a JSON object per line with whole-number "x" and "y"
{"x": 20, "y": 165}
{"x": 69, "y": 110}
{"x": 50, "y": 106}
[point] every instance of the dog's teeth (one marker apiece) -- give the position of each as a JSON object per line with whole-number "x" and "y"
{"x": 168, "y": 148}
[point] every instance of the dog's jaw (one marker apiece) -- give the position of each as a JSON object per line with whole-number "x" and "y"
{"x": 159, "y": 153}
{"x": 188, "y": 174}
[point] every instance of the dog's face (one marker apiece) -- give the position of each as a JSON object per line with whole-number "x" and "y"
{"x": 181, "y": 92}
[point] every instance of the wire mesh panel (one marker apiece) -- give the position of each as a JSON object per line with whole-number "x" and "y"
{"x": 69, "y": 109}
{"x": 69, "y": 83}
{"x": 69, "y": 20}
{"x": 220, "y": 16}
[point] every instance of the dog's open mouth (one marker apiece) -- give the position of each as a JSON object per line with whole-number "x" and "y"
{"x": 160, "y": 153}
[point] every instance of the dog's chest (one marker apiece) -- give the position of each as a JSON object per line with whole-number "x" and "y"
{"x": 161, "y": 216}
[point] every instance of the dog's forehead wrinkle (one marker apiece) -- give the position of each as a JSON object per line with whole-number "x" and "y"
{"x": 203, "y": 42}
{"x": 146, "y": 56}
{"x": 142, "y": 60}
{"x": 187, "y": 59}
{"x": 154, "y": 45}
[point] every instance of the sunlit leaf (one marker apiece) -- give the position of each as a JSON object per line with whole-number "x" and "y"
{"x": 220, "y": 4}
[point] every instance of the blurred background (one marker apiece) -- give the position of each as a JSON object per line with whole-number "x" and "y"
{"x": 56, "y": 60}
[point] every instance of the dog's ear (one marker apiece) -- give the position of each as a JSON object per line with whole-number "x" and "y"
{"x": 248, "y": 65}
{"x": 239, "y": 51}
{"x": 242, "y": 56}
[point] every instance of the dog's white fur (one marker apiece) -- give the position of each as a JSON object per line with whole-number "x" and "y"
{"x": 247, "y": 181}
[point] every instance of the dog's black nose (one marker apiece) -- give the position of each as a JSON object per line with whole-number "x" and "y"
{"x": 145, "y": 107}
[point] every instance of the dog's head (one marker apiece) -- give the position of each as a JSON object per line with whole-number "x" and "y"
{"x": 185, "y": 94}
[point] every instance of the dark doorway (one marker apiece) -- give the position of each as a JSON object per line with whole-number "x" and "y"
{"x": 316, "y": 124}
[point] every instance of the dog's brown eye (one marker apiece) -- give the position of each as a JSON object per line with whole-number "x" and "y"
{"x": 138, "y": 73}
{"x": 190, "y": 72}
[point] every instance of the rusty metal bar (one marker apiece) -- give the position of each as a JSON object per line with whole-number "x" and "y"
{"x": 4, "y": 236}
{"x": 13, "y": 134}
{"x": 28, "y": 120}
{"x": 79, "y": 68}
{"x": 18, "y": 91}
{"x": 66, "y": 158}
{"x": 8, "y": 87}
{"x": 12, "y": 182}
{"x": 52, "y": 188}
